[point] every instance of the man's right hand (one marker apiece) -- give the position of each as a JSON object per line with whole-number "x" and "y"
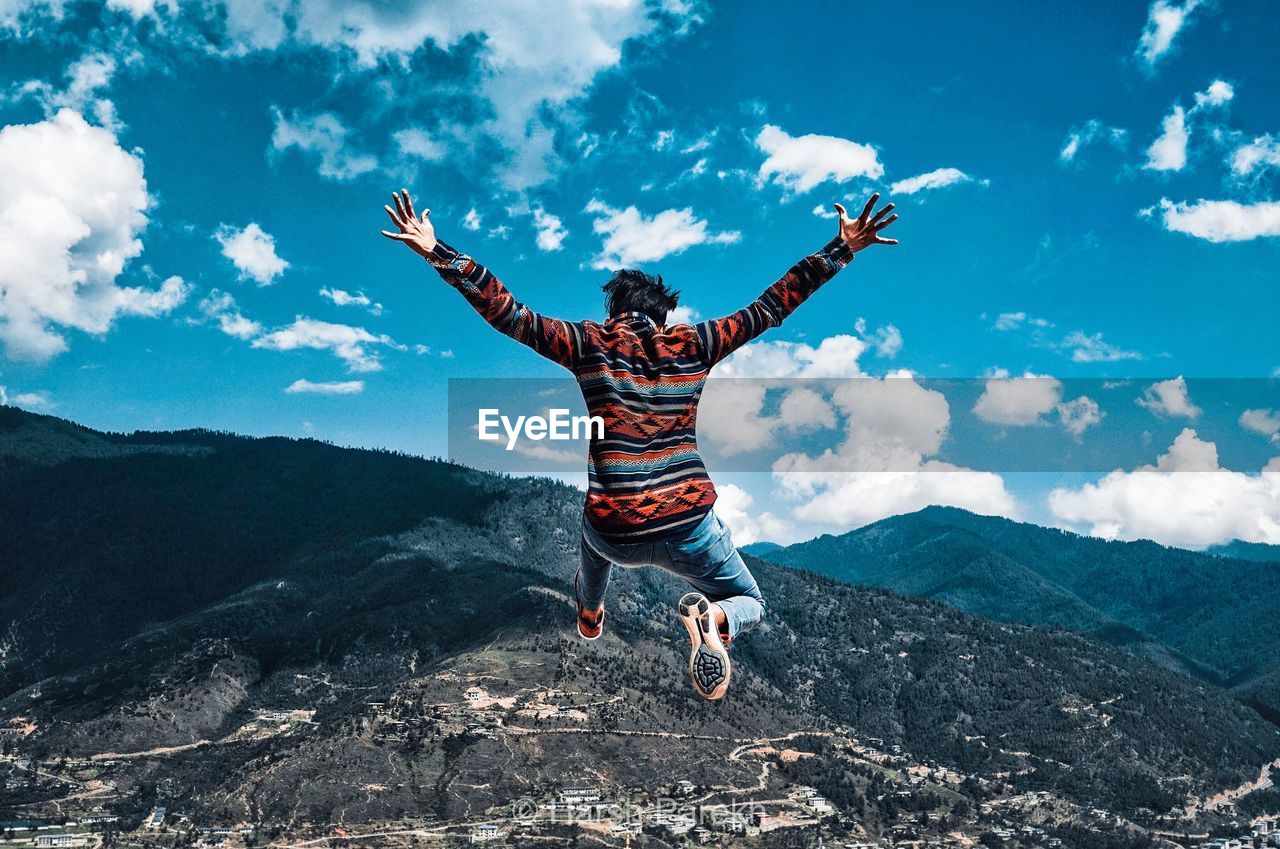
{"x": 415, "y": 232}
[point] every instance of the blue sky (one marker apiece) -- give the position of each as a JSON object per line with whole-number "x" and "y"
{"x": 1085, "y": 192}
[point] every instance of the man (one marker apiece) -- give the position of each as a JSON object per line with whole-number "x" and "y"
{"x": 649, "y": 499}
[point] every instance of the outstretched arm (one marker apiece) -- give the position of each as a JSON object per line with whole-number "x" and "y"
{"x": 722, "y": 336}
{"x": 552, "y": 338}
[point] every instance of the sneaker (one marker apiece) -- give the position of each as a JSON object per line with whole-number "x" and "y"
{"x": 590, "y": 622}
{"x": 709, "y": 668}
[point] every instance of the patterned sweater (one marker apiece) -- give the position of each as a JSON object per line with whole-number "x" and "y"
{"x": 645, "y": 477}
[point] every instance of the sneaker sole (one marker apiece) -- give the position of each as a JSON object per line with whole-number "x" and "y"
{"x": 709, "y": 667}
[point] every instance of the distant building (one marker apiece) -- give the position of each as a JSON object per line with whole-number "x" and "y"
{"x": 55, "y": 840}
{"x": 18, "y": 825}
{"x": 684, "y": 787}
{"x": 819, "y": 805}
{"x": 485, "y": 832}
{"x": 579, "y": 795}
{"x": 156, "y": 819}
{"x": 675, "y": 823}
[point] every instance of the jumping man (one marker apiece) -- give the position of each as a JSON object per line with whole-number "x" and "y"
{"x": 649, "y": 498}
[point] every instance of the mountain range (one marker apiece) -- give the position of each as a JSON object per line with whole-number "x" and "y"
{"x": 1211, "y": 615}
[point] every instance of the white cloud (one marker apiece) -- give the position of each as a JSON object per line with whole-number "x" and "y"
{"x": 1092, "y": 131}
{"x": 1071, "y": 147}
{"x": 700, "y": 144}
{"x": 1218, "y": 93}
{"x": 1015, "y": 321}
{"x": 630, "y": 237}
{"x": 1026, "y": 400}
{"x": 337, "y": 387}
{"x": 23, "y": 16}
{"x": 548, "y": 53}
{"x": 1087, "y": 348}
{"x": 472, "y": 220}
{"x": 1010, "y": 320}
{"x": 27, "y": 400}
{"x": 731, "y": 416}
{"x": 343, "y": 298}
{"x": 221, "y": 307}
{"x": 697, "y": 169}
{"x": 1169, "y": 151}
{"x": 891, "y": 428}
{"x": 73, "y": 204}
{"x": 324, "y": 137}
{"x": 527, "y": 57}
{"x": 683, "y": 315}
{"x": 420, "y": 144}
{"x": 85, "y": 79}
{"x": 1164, "y": 21}
{"x": 1169, "y": 398}
{"x": 1262, "y": 152}
{"x": 173, "y": 292}
{"x": 733, "y": 504}
{"x": 140, "y": 8}
{"x": 851, "y": 500}
{"x": 1018, "y": 401}
{"x": 803, "y": 408}
{"x": 252, "y": 251}
{"x": 421, "y": 349}
{"x": 892, "y": 424}
{"x": 1185, "y": 499}
{"x": 883, "y": 466}
{"x": 834, "y": 356}
{"x": 887, "y": 340}
{"x": 550, "y": 230}
{"x": 34, "y": 400}
{"x": 355, "y": 346}
{"x": 799, "y": 163}
{"x": 1265, "y": 422}
{"x": 1222, "y": 220}
{"x": 932, "y": 180}
{"x": 1079, "y": 414}
{"x": 352, "y": 345}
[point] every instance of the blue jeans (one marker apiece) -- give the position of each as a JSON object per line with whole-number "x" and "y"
{"x": 703, "y": 556}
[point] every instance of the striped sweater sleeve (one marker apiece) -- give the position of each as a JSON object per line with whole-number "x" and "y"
{"x": 557, "y": 340}
{"x": 722, "y": 336}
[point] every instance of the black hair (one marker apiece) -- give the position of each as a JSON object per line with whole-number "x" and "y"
{"x": 631, "y": 290}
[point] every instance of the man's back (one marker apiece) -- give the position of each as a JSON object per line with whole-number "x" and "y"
{"x": 644, "y": 475}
